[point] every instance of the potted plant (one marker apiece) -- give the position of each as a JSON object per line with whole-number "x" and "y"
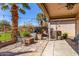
{"x": 65, "y": 35}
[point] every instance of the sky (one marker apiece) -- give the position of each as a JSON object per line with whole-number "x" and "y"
{"x": 28, "y": 18}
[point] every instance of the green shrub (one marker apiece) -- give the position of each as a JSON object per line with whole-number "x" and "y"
{"x": 65, "y": 35}
{"x": 25, "y": 34}
{"x": 5, "y": 37}
{"x": 0, "y": 35}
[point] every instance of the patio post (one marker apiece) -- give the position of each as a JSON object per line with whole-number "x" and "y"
{"x": 49, "y": 30}
{"x": 77, "y": 23}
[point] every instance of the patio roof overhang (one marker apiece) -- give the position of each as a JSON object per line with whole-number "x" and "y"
{"x": 58, "y": 10}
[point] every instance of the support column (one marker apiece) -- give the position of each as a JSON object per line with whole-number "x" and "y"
{"x": 49, "y": 30}
{"x": 77, "y": 26}
{"x": 77, "y": 21}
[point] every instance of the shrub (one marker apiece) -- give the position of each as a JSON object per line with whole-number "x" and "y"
{"x": 65, "y": 35}
{"x": 0, "y": 35}
{"x": 5, "y": 36}
{"x": 26, "y": 34}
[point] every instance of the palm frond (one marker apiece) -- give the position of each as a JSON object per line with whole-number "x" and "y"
{"x": 2, "y": 4}
{"x": 11, "y": 4}
{"x": 39, "y": 16}
{"x": 26, "y": 5}
{"x": 4, "y": 7}
{"x": 22, "y": 10}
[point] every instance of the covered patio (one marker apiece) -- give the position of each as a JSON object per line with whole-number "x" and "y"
{"x": 59, "y": 14}
{"x": 50, "y": 46}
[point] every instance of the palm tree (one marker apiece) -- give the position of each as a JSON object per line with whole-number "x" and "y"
{"x": 14, "y": 11}
{"x": 41, "y": 18}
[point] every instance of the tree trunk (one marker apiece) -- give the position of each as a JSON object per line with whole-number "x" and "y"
{"x": 41, "y": 29}
{"x": 4, "y": 29}
{"x": 14, "y": 11}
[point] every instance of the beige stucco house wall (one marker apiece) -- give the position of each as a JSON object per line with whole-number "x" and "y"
{"x": 65, "y": 27}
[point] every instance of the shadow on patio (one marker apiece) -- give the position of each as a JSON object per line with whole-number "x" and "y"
{"x": 74, "y": 46}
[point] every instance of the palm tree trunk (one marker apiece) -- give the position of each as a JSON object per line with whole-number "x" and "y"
{"x": 41, "y": 29}
{"x": 4, "y": 28}
{"x": 14, "y": 11}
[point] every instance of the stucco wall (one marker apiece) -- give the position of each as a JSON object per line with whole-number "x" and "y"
{"x": 65, "y": 28}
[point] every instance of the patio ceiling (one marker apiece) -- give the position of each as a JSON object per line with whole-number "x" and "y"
{"x": 58, "y": 10}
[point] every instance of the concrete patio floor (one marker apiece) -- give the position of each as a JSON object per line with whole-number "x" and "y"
{"x": 42, "y": 48}
{"x": 37, "y": 48}
{"x": 59, "y": 48}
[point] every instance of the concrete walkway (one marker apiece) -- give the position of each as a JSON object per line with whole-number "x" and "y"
{"x": 42, "y": 48}
{"x": 58, "y": 48}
